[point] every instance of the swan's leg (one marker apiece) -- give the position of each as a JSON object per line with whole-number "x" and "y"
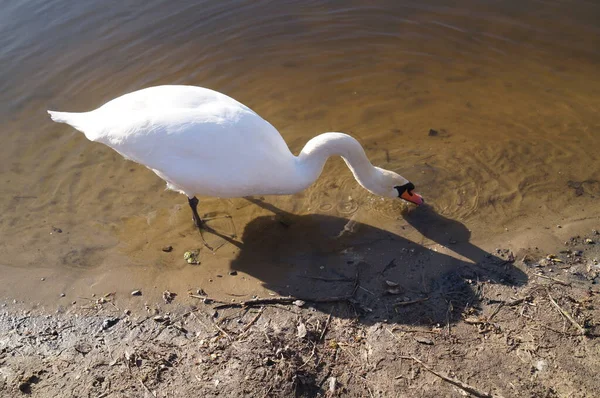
{"x": 194, "y": 206}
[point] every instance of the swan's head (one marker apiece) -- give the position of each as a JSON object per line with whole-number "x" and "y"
{"x": 393, "y": 185}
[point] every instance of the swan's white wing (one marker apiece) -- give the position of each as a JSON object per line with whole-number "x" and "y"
{"x": 215, "y": 149}
{"x": 198, "y": 140}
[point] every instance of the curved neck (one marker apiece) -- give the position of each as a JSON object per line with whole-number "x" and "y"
{"x": 315, "y": 153}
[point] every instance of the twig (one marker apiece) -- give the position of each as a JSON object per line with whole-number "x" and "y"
{"x": 146, "y": 388}
{"x": 495, "y": 311}
{"x": 281, "y": 300}
{"x": 252, "y": 322}
{"x": 391, "y": 264}
{"x": 312, "y": 354}
{"x": 319, "y": 278}
{"x": 517, "y": 301}
{"x": 583, "y": 331}
{"x": 222, "y": 331}
{"x": 402, "y": 303}
{"x": 463, "y": 386}
{"x": 268, "y": 391}
{"x": 558, "y": 331}
{"x": 214, "y": 324}
{"x": 367, "y": 290}
{"x": 396, "y": 328}
{"x": 225, "y": 319}
{"x": 553, "y": 279}
{"x": 356, "y": 282}
{"x": 511, "y": 303}
{"x": 325, "y": 327}
{"x": 206, "y": 299}
{"x": 366, "y": 383}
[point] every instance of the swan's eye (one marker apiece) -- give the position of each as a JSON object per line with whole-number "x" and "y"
{"x": 408, "y": 187}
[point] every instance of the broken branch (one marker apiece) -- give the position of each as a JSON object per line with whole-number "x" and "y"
{"x": 402, "y": 303}
{"x": 463, "y": 386}
{"x": 583, "y": 331}
{"x": 553, "y": 279}
{"x": 282, "y": 300}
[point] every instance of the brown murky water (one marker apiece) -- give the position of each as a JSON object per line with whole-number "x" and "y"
{"x": 511, "y": 88}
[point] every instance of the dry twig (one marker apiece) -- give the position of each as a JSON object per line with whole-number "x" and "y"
{"x": 463, "y": 386}
{"x": 325, "y": 327}
{"x": 553, "y": 279}
{"x": 403, "y": 303}
{"x": 252, "y": 322}
{"x": 146, "y": 388}
{"x": 281, "y": 300}
{"x": 583, "y": 331}
{"x": 319, "y": 278}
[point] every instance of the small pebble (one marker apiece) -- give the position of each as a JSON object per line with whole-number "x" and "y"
{"x": 589, "y": 241}
{"x": 43, "y": 279}
{"x": 62, "y": 295}
{"x": 432, "y": 133}
{"x": 74, "y": 302}
{"x": 136, "y": 293}
{"x": 109, "y": 322}
{"x": 299, "y": 303}
{"x": 233, "y": 273}
{"x": 167, "y": 249}
{"x": 127, "y": 312}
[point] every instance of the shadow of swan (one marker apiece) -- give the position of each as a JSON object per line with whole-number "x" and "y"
{"x": 319, "y": 256}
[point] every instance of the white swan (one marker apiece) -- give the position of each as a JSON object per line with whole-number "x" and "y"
{"x": 202, "y": 142}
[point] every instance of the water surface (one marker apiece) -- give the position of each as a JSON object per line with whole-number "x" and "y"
{"x": 510, "y": 87}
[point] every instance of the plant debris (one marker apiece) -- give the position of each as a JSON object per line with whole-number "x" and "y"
{"x": 192, "y": 257}
{"x": 168, "y": 296}
{"x": 109, "y": 322}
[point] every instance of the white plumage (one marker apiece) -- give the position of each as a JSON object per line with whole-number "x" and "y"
{"x": 202, "y": 142}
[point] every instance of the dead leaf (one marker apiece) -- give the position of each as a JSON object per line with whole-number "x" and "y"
{"x": 301, "y": 333}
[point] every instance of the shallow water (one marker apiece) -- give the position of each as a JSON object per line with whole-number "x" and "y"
{"x": 511, "y": 88}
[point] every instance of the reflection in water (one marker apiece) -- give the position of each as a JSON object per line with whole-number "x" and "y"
{"x": 510, "y": 87}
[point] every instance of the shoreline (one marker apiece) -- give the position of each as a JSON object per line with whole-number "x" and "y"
{"x": 499, "y": 338}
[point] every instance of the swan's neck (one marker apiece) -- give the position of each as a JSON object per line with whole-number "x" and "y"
{"x": 315, "y": 153}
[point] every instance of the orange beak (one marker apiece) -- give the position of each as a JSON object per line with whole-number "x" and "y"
{"x": 412, "y": 197}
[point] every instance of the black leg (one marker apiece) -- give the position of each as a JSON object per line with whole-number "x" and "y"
{"x": 194, "y": 206}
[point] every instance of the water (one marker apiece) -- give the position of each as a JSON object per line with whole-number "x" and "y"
{"x": 511, "y": 88}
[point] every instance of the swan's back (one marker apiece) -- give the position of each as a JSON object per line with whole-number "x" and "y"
{"x": 170, "y": 97}
{"x": 198, "y": 140}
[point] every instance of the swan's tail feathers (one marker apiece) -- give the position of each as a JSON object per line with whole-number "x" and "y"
{"x": 60, "y": 117}
{"x": 77, "y": 120}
